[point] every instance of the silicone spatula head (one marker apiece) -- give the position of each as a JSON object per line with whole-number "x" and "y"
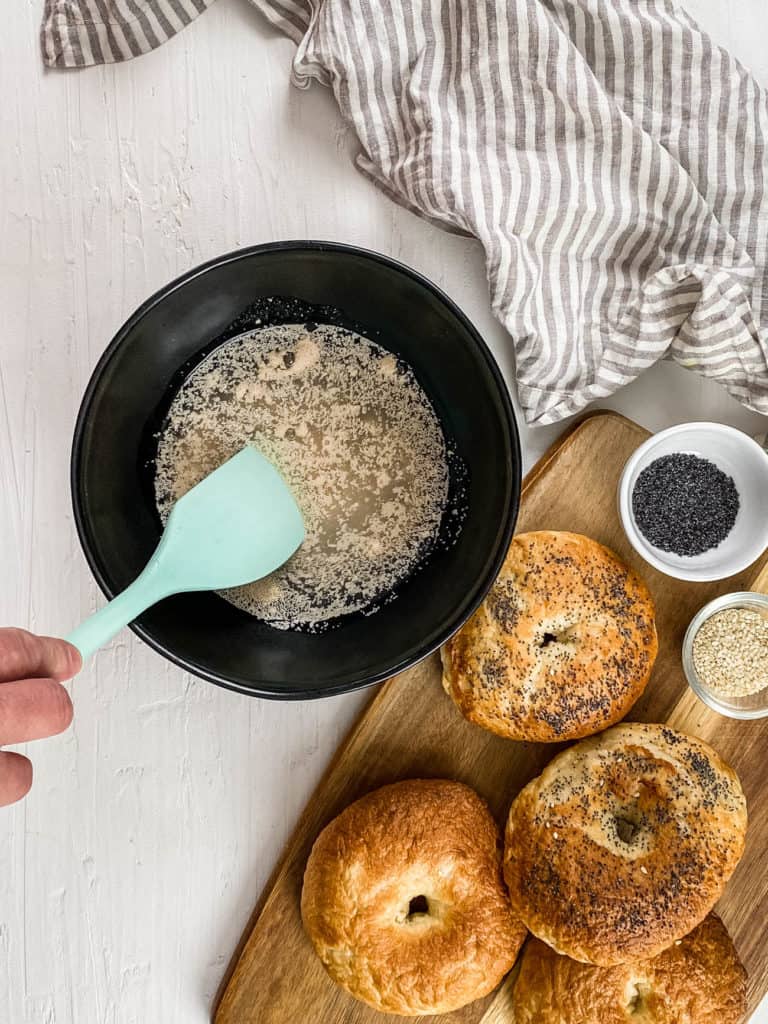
{"x": 237, "y": 525}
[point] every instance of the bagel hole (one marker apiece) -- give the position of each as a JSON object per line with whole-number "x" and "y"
{"x": 417, "y": 907}
{"x": 637, "y": 997}
{"x": 566, "y": 635}
{"x": 626, "y": 829}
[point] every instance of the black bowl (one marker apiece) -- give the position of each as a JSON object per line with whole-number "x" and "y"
{"x": 131, "y": 388}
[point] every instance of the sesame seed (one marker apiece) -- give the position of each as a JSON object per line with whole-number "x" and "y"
{"x": 644, "y": 869}
{"x": 730, "y": 652}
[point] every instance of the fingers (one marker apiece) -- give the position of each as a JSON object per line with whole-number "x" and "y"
{"x": 24, "y": 655}
{"x": 15, "y": 777}
{"x": 33, "y": 703}
{"x": 31, "y": 709}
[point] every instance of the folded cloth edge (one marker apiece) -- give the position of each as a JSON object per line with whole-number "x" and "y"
{"x": 95, "y": 32}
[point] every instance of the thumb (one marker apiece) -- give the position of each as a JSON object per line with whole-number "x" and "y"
{"x": 24, "y": 655}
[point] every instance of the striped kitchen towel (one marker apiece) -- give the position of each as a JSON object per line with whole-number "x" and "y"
{"x": 608, "y": 156}
{"x": 77, "y": 33}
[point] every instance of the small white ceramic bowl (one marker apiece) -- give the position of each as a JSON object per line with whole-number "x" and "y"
{"x": 744, "y": 461}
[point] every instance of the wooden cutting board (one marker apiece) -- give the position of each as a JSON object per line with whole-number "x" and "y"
{"x": 411, "y": 728}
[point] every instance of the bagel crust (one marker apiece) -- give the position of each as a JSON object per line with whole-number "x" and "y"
{"x": 404, "y": 901}
{"x": 698, "y": 979}
{"x": 562, "y": 646}
{"x": 624, "y": 843}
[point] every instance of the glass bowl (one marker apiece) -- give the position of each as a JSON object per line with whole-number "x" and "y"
{"x": 754, "y": 705}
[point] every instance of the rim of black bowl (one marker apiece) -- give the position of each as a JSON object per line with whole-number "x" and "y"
{"x": 482, "y": 586}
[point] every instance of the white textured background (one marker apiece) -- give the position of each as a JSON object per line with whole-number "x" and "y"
{"x": 127, "y": 875}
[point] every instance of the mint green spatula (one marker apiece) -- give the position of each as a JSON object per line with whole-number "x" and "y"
{"x": 237, "y": 525}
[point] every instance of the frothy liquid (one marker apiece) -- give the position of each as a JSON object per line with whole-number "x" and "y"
{"x": 355, "y": 438}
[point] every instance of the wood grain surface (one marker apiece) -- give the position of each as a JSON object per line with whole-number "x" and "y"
{"x": 411, "y": 728}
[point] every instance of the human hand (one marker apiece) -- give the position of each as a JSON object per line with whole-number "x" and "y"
{"x": 33, "y": 703}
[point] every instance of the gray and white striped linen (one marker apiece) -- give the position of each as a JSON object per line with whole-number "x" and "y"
{"x": 77, "y": 33}
{"x": 608, "y": 156}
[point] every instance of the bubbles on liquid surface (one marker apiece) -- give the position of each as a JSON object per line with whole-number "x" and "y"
{"x": 356, "y": 439}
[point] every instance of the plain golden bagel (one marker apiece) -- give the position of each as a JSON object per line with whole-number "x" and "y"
{"x": 404, "y": 901}
{"x": 624, "y": 843}
{"x": 562, "y": 646}
{"x": 698, "y": 979}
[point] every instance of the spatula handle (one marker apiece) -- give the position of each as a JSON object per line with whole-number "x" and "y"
{"x": 100, "y": 627}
